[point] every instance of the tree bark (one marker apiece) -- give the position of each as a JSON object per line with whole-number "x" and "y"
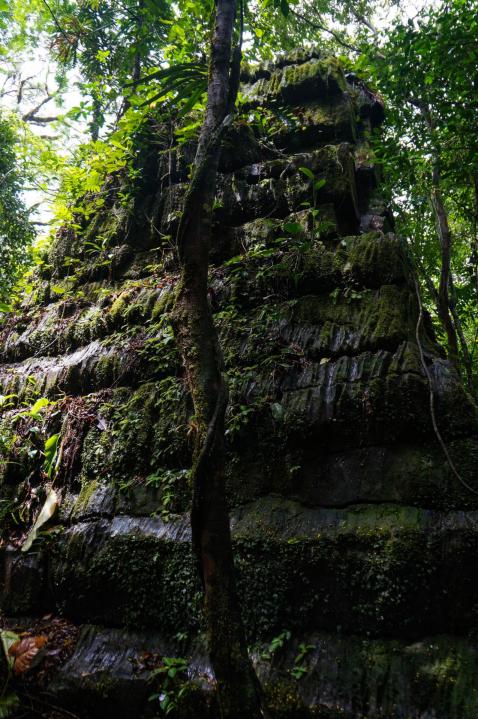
{"x": 474, "y": 181}
{"x": 237, "y": 684}
{"x": 445, "y": 240}
{"x": 465, "y": 351}
{"x": 444, "y": 236}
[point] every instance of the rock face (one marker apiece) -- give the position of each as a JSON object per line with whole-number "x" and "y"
{"x": 356, "y": 546}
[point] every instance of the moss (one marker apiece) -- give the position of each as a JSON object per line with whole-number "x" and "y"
{"x": 67, "y": 244}
{"x": 89, "y": 325}
{"x": 375, "y": 570}
{"x": 283, "y": 700}
{"x": 375, "y": 259}
{"x": 120, "y": 305}
{"x": 367, "y": 319}
{"x": 335, "y": 165}
{"x": 88, "y": 489}
{"x": 316, "y": 124}
{"x": 394, "y": 581}
{"x": 147, "y": 431}
{"x": 294, "y": 84}
{"x": 107, "y": 369}
{"x": 313, "y": 327}
{"x": 147, "y": 582}
{"x": 163, "y": 304}
{"x": 329, "y": 71}
{"x": 444, "y": 677}
{"x": 300, "y": 268}
{"x": 382, "y": 679}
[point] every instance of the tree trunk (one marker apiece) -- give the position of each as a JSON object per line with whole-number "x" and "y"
{"x": 444, "y": 236}
{"x": 465, "y": 351}
{"x": 97, "y": 118}
{"x": 474, "y": 181}
{"x": 237, "y": 684}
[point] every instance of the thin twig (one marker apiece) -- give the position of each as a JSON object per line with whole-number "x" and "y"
{"x": 324, "y": 28}
{"x": 55, "y": 20}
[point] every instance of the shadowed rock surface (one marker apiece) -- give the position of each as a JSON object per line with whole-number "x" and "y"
{"x": 355, "y": 545}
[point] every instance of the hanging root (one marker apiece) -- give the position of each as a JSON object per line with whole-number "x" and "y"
{"x": 432, "y": 395}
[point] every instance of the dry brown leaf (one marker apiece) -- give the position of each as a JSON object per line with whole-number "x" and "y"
{"x": 24, "y": 651}
{"x": 47, "y": 512}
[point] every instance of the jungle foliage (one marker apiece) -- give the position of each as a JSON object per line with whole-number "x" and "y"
{"x": 112, "y": 68}
{"x": 16, "y": 232}
{"x": 427, "y": 73}
{"x": 175, "y": 67}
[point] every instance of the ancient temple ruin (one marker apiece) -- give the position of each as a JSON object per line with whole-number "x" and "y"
{"x": 352, "y": 536}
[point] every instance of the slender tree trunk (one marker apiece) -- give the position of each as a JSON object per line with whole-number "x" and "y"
{"x": 465, "y": 351}
{"x": 444, "y": 236}
{"x": 238, "y": 687}
{"x": 139, "y": 31}
{"x": 97, "y": 118}
{"x": 445, "y": 296}
{"x": 475, "y": 233}
{"x": 136, "y": 70}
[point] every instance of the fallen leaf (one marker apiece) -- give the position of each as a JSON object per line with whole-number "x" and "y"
{"x": 47, "y": 512}
{"x": 24, "y": 651}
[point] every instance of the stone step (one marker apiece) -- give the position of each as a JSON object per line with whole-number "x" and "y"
{"x": 342, "y": 677}
{"x": 295, "y": 84}
{"x": 363, "y": 262}
{"x": 378, "y": 570}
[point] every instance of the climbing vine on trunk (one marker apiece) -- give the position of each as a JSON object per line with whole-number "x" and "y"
{"x": 238, "y": 688}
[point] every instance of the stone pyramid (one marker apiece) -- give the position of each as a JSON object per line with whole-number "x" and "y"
{"x": 355, "y": 544}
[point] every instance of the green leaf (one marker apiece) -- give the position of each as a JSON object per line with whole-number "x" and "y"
{"x": 8, "y": 705}
{"x": 165, "y": 703}
{"x": 38, "y": 406}
{"x": 195, "y": 97}
{"x": 179, "y": 31}
{"x": 50, "y": 450}
{"x": 277, "y": 411}
{"x": 319, "y": 184}
{"x": 5, "y": 399}
{"x": 8, "y": 638}
{"x": 293, "y": 228}
{"x": 308, "y": 173}
{"x": 51, "y": 443}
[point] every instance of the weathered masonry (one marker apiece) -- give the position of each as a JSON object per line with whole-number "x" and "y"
{"x": 351, "y": 533}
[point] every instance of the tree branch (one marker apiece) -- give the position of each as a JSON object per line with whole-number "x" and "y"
{"x": 323, "y": 28}
{"x": 361, "y": 18}
{"x": 31, "y": 115}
